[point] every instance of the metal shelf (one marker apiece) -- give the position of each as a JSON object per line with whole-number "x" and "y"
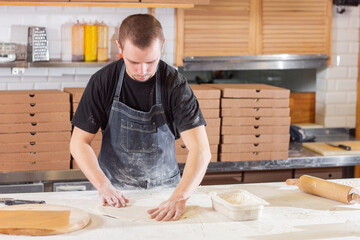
{"x": 16, "y": 64}
{"x": 59, "y": 63}
{"x": 52, "y": 63}
{"x": 256, "y": 62}
{"x": 315, "y": 161}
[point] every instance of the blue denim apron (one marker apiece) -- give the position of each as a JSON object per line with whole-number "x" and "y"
{"x": 138, "y": 148}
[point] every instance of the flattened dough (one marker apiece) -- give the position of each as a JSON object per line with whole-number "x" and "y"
{"x": 139, "y": 213}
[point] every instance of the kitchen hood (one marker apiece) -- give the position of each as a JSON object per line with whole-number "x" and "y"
{"x": 256, "y": 62}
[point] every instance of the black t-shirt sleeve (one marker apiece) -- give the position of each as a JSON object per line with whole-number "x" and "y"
{"x": 90, "y": 113}
{"x": 185, "y": 107}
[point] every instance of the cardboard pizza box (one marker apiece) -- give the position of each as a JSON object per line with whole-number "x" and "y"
{"x": 253, "y": 156}
{"x": 254, "y": 147}
{"x": 255, "y": 112}
{"x": 209, "y": 113}
{"x": 213, "y": 122}
{"x": 56, "y": 164}
{"x": 209, "y": 103}
{"x": 35, "y": 127}
{"x": 182, "y": 150}
{"x": 75, "y": 93}
{"x": 34, "y": 156}
{"x": 252, "y": 121}
{"x": 205, "y": 92}
{"x": 251, "y": 91}
{"x": 254, "y": 130}
{"x": 33, "y": 96}
{"x": 35, "y": 117}
{"x": 34, "y": 107}
{"x": 260, "y": 138}
{"x": 182, "y": 158}
{"x": 254, "y": 103}
{"x": 27, "y": 147}
{"x": 35, "y": 137}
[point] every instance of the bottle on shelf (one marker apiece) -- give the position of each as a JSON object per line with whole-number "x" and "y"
{"x": 103, "y": 42}
{"x": 90, "y": 42}
{"x": 78, "y": 42}
{"x": 66, "y": 36}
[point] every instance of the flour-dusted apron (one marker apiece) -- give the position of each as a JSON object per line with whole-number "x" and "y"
{"x": 138, "y": 148}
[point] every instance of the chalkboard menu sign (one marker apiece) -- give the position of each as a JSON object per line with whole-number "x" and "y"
{"x": 38, "y": 47}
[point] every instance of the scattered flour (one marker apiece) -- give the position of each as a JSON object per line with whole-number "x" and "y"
{"x": 350, "y": 182}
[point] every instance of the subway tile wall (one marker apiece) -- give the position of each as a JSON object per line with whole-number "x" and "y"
{"x": 336, "y": 86}
{"x": 15, "y": 20}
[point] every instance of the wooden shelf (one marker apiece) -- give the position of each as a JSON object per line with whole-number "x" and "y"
{"x": 98, "y": 4}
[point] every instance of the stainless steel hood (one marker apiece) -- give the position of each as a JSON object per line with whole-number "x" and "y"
{"x": 255, "y": 62}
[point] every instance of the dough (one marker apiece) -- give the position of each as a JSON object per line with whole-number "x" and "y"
{"x": 139, "y": 213}
{"x": 142, "y": 201}
{"x": 238, "y": 198}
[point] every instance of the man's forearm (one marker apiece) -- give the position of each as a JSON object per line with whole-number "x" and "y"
{"x": 86, "y": 159}
{"x": 194, "y": 171}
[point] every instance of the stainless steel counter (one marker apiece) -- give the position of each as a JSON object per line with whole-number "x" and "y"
{"x": 255, "y": 62}
{"x": 298, "y": 158}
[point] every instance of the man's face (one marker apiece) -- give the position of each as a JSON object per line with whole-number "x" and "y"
{"x": 141, "y": 64}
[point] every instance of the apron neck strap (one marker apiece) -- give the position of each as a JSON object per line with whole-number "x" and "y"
{"x": 158, "y": 86}
{"x": 120, "y": 81}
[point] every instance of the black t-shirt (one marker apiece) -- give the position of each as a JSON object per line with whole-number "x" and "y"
{"x": 181, "y": 107}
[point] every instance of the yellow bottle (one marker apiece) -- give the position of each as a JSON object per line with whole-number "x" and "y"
{"x": 90, "y": 42}
{"x": 103, "y": 42}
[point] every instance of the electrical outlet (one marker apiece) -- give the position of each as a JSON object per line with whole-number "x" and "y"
{"x": 17, "y": 71}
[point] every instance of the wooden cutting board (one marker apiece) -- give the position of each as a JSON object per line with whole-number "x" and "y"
{"x": 78, "y": 220}
{"x": 326, "y": 150}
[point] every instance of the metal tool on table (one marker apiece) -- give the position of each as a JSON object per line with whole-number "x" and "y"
{"x": 343, "y": 146}
{"x": 327, "y": 189}
{"x": 13, "y": 201}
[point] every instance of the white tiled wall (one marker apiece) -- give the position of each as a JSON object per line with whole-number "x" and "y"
{"x": 14, "y": 22}
{"x": 337, "y": 85}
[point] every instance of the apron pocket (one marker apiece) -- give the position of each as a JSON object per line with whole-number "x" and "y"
{"x": 138, "y": 138}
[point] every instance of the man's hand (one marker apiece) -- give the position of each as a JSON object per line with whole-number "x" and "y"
{"x": 112, "y": 196}
{"x": 168, "y": 210}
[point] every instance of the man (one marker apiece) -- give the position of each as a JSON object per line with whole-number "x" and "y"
{"x": 141, "y": 105}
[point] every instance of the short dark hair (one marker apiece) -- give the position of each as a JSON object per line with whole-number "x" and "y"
{"x": 141, "y": 30}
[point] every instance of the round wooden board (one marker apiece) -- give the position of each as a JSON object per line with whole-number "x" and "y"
{"x": 78, "y": 220}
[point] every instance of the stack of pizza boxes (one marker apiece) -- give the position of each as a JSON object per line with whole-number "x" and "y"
{"x": 209, "y": 101}
{"x": 34, "y": 130}
{"x": 75, "y": 96}
{"x": 255, "y": 122}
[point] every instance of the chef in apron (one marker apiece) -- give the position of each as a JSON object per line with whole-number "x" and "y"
{"x": 138, "y": 148}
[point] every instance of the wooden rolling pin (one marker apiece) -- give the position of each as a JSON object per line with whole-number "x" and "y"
{"x": 327, "y": 189}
